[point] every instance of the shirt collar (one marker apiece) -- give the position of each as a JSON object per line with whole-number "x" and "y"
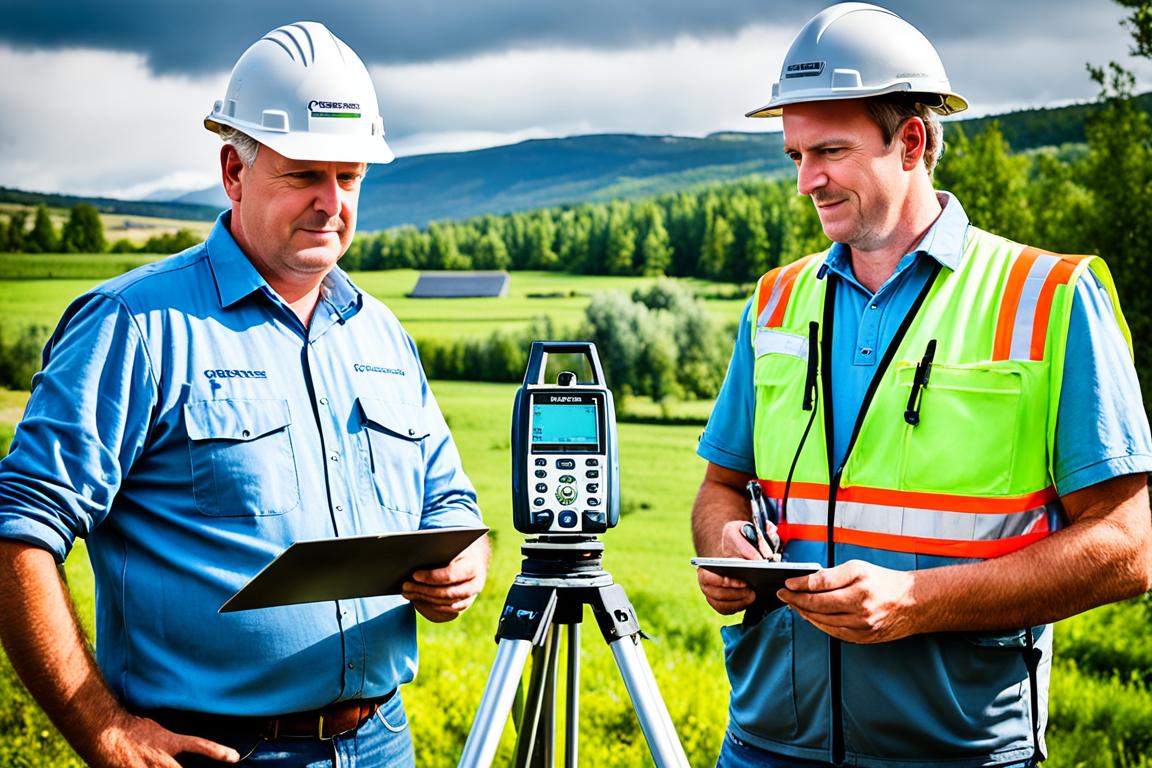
{"x": 341, "y": 293}
{"x": 236, "y": 278}
{"x": 944, "y": 240}
{"x": 234, "y": 274}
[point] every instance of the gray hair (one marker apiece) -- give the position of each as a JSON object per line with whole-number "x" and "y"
{"x": 891, "y": 110}
{"x": 246, "y": 146}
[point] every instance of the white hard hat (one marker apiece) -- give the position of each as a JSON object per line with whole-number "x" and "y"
{"x": 856, "y": 50}
{"x": 301, "y": 91}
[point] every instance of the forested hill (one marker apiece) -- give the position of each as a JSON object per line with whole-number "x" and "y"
{"x": 547, "y": 172}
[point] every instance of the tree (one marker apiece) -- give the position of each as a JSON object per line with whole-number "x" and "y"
{"x": 442, "y": 251}
{"x": 539, "y": 234}
{"x": 989, "y": 181}
{"x": 83, "y": 232}
{"x": 170, "y": 242}
{"x": 620, "y": 242}
{"x": 1139, "y": 24}
{"x": 1118, "y": 171}
{"x": 491, "y": 253}
{"x": 17, "y": 231}
{"x": 43, "y": 237}
{"x": 717, "y": 246}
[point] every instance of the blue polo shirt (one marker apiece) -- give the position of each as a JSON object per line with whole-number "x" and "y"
{"x": 190, "y": 427}
{"x": 1101, "y": 432}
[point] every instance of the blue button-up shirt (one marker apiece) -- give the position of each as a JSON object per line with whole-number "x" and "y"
{"x": 1101, "y": 431}
{"x": 191, "y": 428}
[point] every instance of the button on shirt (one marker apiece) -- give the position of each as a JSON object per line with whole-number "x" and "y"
{"x": 1102, "y": 431}
{"x": 191, "y": 428}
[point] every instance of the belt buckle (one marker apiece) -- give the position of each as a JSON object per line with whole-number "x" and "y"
{"x": 320, "y": 729}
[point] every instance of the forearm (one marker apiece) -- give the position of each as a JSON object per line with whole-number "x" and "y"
{"x": 47, "y": 648}
{"x": 1104, "y": 555}
{"x": 719, "y": 501}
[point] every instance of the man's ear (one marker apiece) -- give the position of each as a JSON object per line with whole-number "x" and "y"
{"x": 913, "y": 138}
{"x": 231, "y": 169}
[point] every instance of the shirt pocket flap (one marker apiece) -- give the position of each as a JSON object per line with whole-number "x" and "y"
{"x": 401, "y": 420}
{"x": 235, "y": 419}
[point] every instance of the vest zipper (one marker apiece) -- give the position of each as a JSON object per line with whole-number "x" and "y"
{"x": 835, "y": 662}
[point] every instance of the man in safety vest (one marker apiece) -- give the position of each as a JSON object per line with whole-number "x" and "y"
{"x": 195, "y": 417}
{"x": 947, "y": 421}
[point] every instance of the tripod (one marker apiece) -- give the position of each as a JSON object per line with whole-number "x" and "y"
{"x": 560, "y": 575}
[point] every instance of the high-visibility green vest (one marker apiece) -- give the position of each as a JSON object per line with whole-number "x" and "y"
{"x": 951, "y": 469}
{"x": 972, "y": 478}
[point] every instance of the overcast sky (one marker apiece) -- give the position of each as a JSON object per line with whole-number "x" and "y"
{"x": 107, "y": 98}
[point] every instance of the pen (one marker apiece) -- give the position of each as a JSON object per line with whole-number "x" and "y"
{"x": 761, "y": 524}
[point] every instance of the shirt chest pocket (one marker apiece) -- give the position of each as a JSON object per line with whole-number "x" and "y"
{"x": 392, "y": 446}
{"x": 243, "y": 464}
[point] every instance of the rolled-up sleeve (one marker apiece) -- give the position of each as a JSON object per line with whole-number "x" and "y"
{"x": 85, "y": 423}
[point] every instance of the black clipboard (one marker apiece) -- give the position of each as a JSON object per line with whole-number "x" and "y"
{"x": 345, "y": 568}
{"x": 764, "y": 576}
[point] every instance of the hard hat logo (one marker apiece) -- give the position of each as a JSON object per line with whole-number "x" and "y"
{"x": 855, "y": 51}
{"x": 333, "y": 109}
{"x": 263, "y": 99}
{"x": 804, "y": 69}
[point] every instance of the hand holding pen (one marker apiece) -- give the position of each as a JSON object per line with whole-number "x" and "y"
{"x": 762, "y": 525}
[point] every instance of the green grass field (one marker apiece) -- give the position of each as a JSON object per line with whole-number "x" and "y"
{"x": 1101, "y": 699}
{"x": 1101, "y": 703}
{"x": 35, "y": 290}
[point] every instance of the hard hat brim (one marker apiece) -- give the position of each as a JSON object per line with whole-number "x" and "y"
{"x": 950, "y": 103}
{"x": 328, "y": 148}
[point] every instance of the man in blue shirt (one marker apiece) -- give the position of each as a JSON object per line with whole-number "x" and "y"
{"x": 195, "y": 417}
{"x": 893, "y": 657}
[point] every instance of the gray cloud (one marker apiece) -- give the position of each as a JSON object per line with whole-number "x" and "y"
{"x": 208, "y": 35}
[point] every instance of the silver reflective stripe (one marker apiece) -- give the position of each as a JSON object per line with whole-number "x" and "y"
{"x": 922, "y": 523}
{"x": 1025, "y": 320}
{"x": 773, "y": 300}
{"x": 781, "y": 342}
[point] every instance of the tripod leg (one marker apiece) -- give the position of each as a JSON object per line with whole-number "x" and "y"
{"x": 536, "y": 739}
{"x": 621, "y": 630}
{"x": 572, "y": 732}
{"x": 525, "y": 622}
{"x": 655, "y": 721}
{"x": 495, "y": 704}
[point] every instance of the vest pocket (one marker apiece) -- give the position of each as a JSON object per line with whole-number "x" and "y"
{"x": 393, "y": 441}
{"x": 241, "y": 455}
{"x": 779, "y": 376}
{"x": 976, "y": 409}
{"x": 759, "y": 659}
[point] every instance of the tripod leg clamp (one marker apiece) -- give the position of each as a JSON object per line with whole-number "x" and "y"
{"x": 614, "y": 613}
{"x": 527, "y": 614}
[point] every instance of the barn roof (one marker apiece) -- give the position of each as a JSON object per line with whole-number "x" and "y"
{"x": 448, "y": 285}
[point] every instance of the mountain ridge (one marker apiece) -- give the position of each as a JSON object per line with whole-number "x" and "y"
{"x": 539, "y": 173}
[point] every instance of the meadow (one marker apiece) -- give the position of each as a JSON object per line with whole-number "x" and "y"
{"x": 1101, "y": 699}
{"x": 35, "y": 289}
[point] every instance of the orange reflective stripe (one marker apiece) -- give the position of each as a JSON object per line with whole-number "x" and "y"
{"x": 911, "y": 544}
{"x": 767, "y": 283}
{"x": 1059, "y": 275}
{"x": 916, "y": 499}
{"x": 1010, "y": 302}
{"x": 787, "y": 280}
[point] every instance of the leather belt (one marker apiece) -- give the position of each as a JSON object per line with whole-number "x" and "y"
{"x": 322, "y": 724}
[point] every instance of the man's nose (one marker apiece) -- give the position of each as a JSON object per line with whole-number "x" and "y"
{"x": 328, "y": 196}
{"x": 810, "y": 176}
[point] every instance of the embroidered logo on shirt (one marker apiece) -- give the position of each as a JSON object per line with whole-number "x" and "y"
{"x": 234, "y": 373}
{"x": 365, "y": 368}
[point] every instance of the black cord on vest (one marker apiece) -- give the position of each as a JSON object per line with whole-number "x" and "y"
{"x": 811, "y": 398}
